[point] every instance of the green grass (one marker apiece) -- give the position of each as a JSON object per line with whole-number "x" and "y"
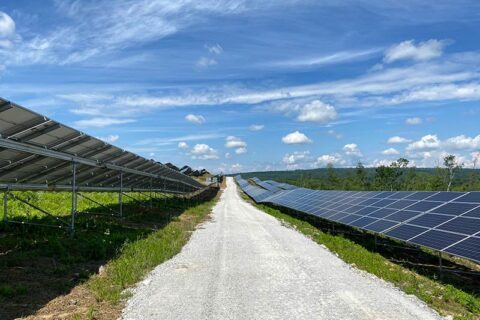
{"x": 139, "y": 257}
{"x": 444, "y": 298}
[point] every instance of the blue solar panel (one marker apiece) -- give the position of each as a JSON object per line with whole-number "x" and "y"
{"x": 454, "y": 208}
{"x": 380, "y": 226}
{"x": 424, "y": 206}
{"x": 403, "y": 215}
{"x": 470, "y": 197}
{"x": 445, "y": 196}
{"x": 420, "y": 195}
{"x": 447, "y": 221}
{"x": 468, "y": 226}
{"x": 430, "y": 220}
{"x": 437, "y": 239}
{"x": 468, "y": 248}
{"x": 405, "y": 232}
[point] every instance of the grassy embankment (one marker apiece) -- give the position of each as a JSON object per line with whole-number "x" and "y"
{"x": 46, "y": 272}
{"x": 443, "y": 296}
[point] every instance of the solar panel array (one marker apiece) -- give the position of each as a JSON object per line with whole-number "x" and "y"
{"x": 444, "y": 221}
{"x": 36, "y": 153}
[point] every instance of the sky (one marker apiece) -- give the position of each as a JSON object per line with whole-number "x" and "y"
{"x": 235, "y": 85}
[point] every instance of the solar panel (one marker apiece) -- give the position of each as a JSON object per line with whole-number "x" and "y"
{"x": 37, "y": 153}
{"x": 445, "y": 221}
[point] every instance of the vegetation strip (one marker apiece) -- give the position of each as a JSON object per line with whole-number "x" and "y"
{"x": 46, "y": 273}
{"x": 446, "y": 299}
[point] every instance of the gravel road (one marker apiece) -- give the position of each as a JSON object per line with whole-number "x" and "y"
{"x": 245, "y": 265}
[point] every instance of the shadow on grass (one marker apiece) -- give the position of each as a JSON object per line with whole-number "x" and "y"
{"x": 39, "y": 264}
{"x": 423, "y": 262}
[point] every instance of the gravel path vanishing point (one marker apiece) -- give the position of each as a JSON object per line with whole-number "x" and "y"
{"x": 245, "y": 265}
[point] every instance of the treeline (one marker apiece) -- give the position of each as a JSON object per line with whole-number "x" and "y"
{"x": 399, "y": 175}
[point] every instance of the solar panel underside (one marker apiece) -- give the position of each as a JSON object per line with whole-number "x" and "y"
{"x": 444, "y": 221}
{"x": 35, "y": 153}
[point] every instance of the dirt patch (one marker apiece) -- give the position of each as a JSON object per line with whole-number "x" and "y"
{"x": 78, "y": 304}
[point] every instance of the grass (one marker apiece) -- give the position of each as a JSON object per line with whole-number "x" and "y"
{"x": 139, "y": 257}
{"x": 52, "y": 259}
{"x": 444, "y": 298}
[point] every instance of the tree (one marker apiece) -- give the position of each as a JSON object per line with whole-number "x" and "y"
{"x": 452, "y": 167}
{"x": 332, "y": 178}
{"x": 361, "y": 176}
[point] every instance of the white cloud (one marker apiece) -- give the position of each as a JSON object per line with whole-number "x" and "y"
{"x": 228, "y": 155}
{"x": 295, "y": 159}
{"x": 335, "y": 159}
{"x": 241, "y": 150}
{"x": 214, "y": 49}
{"x": 7, "y": 25}
{"x": 335, "y": 134}
{"x": 390, "y": 151}
{"x": 338, "y": 57}
{"x": 398, "y": 139}
{"x": 237, "y": 143}
{"x": 183, "y": 145}
{"x": 296, "y": 138}
{"x": 352, "y": 149}
{"x": 205, "y": 62}
{"x": 413, "y": 121}
{"x": 428, "y": 142}
{"x": 462, "y": 142}
{"x": 234, "y": 142}
{"x": 317, "y": 111}
{"x": 256, "y": 127}
{"x": 110, "y": 138}
{"x": 422, "y": 51}
{"x": 196, "y": 119}
{"x": 101, "y": 122}
{"x": 203, "y": 152}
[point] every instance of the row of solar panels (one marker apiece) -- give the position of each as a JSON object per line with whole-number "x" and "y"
{"x": 37, "y": 153}
{"x": 444, "y": 221}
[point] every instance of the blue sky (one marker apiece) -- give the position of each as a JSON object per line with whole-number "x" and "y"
{"x": 248, "y": 85}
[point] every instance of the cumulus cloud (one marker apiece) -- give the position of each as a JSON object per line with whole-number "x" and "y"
{"x": 462, "y": 142}
{"x": 196, "y": 119}
{"x": 183, "y": 145}
{"x": 256, "y": 127}
{"x": 295, "y": 158}
{"x": 317, "y": 111}
{"x": 390, "y": 151}
{"x": 426, "y": 143}
{"x": 110, "y": 138}
{"x": 313, "y": 111}
{"x": 296, "y": 138}
{"x": 409, "y": 50}
{"x": 203, "y": 151}
{"x": 413, "y": 121}
{"x": 398, "y": 139}
{"x": 241, "y": 150}
{"x": 352, "y": 149}
{"x": 335, "y": 159}
{"x": 7, "y": 25}
{"x": 236, "y": 143}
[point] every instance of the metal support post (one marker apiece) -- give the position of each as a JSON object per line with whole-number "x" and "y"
{"x": 74, "y": 196}
{"x": 151, "y": 199}
{"x": 120, "y": 196}
{"x": 5, "y": 207}
{"x": 440, "y": 264}
{"x": 375, "y": 239}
